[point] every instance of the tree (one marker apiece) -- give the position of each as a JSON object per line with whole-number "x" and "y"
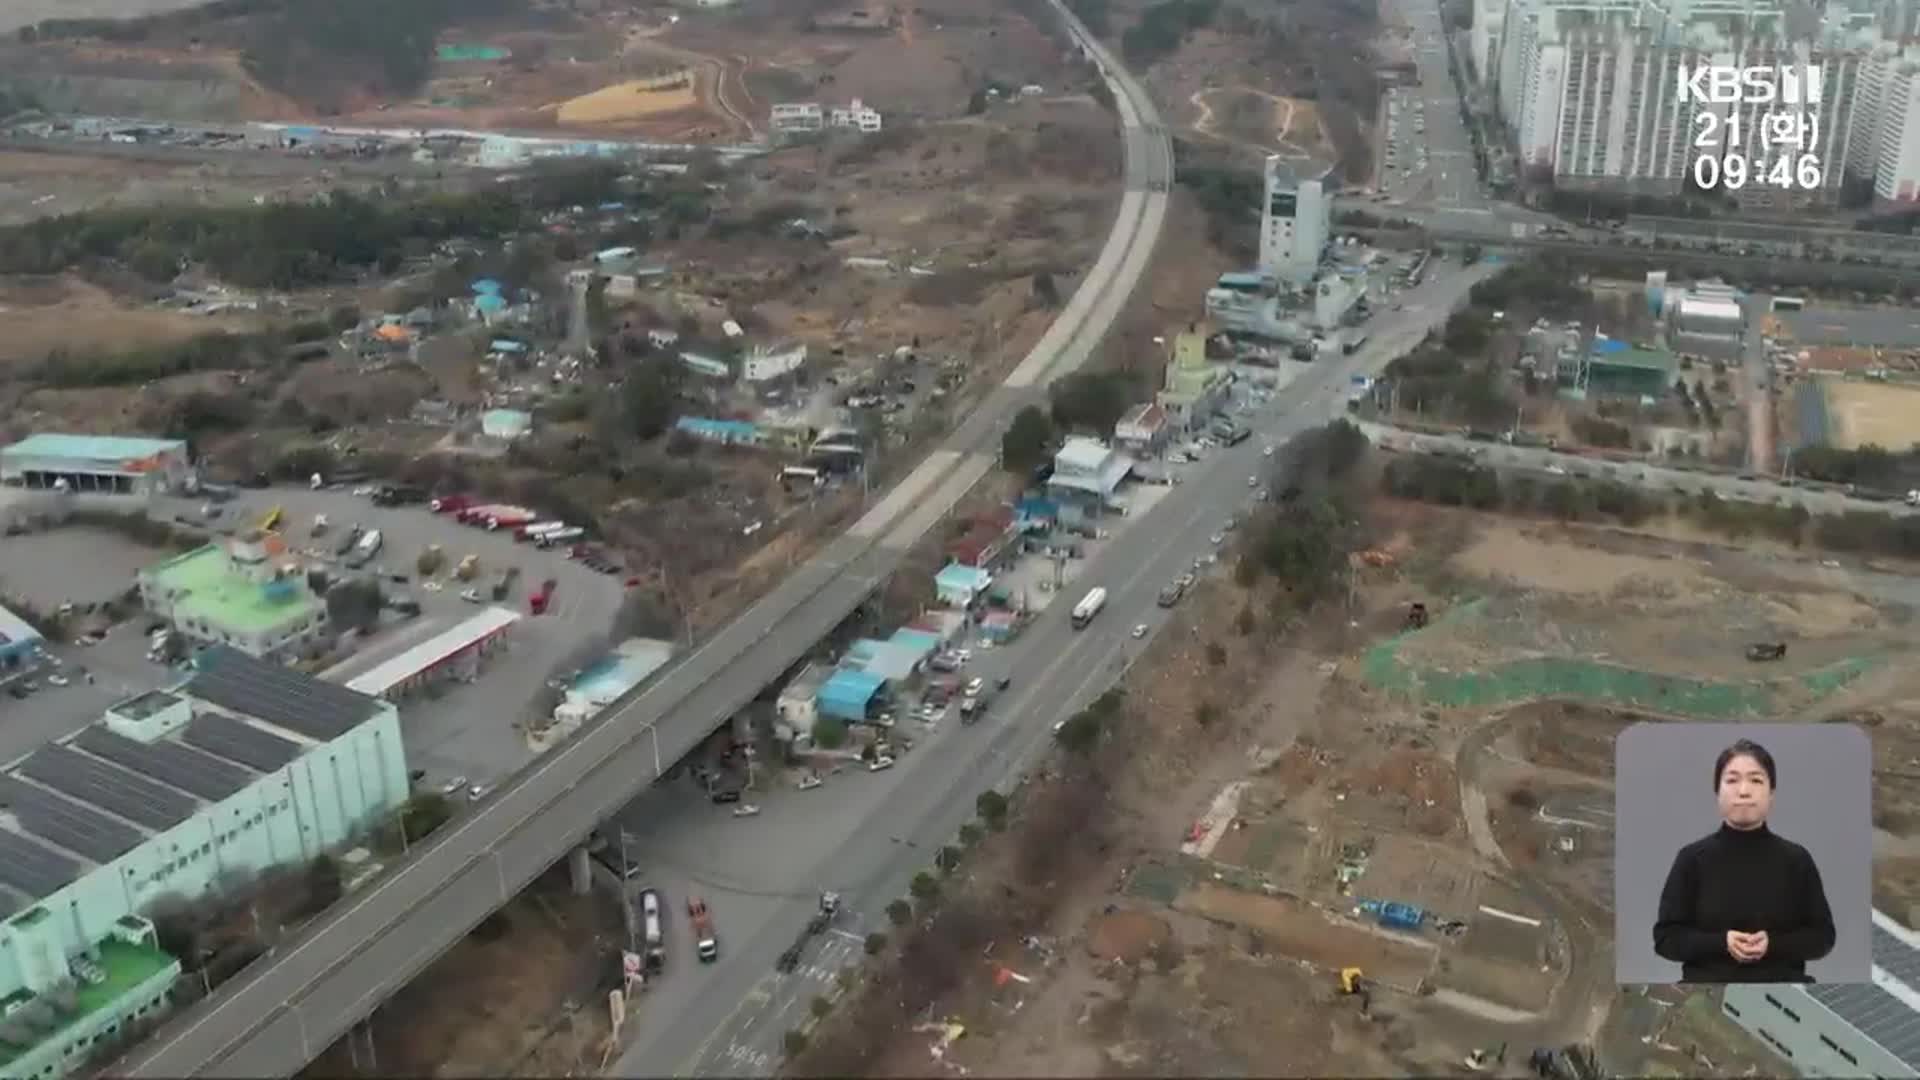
{"x": 430, "y": 561}
{"x": 977, "y": 102}
{"x": 1080, "y": 732}
{"x": 819, "y": 1006}
{"x": 970, "y": 835}
{"x": 1027, "y": 442}
{"x": 947, "y": 859}
{"x": 323, "y": 885}
{"x": 829, "y": 732}
{"x": 1045, "y": 292}
{"x": 924, "y": 887}
{"x": 992, "y": 808}
{"x": 354, "y": 604}
{"x": 794, "y": 1042}
{"x": 899, "y": 913}
{"x": 1092, "y": 400}
{"x": 876, "y": 943}
{"x": 648, "y": 394}
{"x": 1216, "y": 654}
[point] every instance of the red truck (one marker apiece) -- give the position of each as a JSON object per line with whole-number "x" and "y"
{"x": 450, "y": 504}
{"x": 476, "y": 513}
{"x": 706, "y": 942}
{"x": 509, "y": 518}
{"x": 537, "y": 603}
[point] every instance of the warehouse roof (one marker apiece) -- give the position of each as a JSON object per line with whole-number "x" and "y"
{"x": 436, "y": 649}
{"x": 278, "y": 695}
{"x": 1883, "y": 1010}
{"x": 846, "y": 694}
{"x": 93, "y": 447}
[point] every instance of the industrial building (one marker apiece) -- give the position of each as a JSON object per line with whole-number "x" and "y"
{"x": 1843, "y": 1029}
{"x": 1143, "y": 430}
{"x": 1086, "y": 473}
{"x": 97, "y": 464}
{"x": 1194, "y": 388}
{"x": 1296, "y": 223}
{"x": 246, "y": 766}
{"x": 248, "y": 592}
{"x": 1617, "y": 368}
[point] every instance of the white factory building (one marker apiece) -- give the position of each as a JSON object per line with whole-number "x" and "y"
{"x": 1843, "y": 1030}
{"x": 102, "y": 464}
{"x": 1296, "y": 223}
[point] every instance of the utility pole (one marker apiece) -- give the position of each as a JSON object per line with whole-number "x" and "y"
{"x": 626, "y": 871}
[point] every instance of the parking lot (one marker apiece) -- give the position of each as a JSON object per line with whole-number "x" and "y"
{"x": 470, "y": 730}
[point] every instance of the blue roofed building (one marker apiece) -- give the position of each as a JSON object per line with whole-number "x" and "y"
{"x": 486, "y": 287}
{"x": 894, "y": 661}
{"x": 724, "y": 432}
{"x": 961, "y": 586}
{"x": 1843, "y": 1029}
{"x": 1086, "y": 473}
{"x": 97, "y": 464}
{"x": 19, "y": 642}
{"x": 850, "y": 694}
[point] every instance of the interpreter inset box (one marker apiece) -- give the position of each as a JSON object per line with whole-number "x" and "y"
{"x": 1743, "y": 853}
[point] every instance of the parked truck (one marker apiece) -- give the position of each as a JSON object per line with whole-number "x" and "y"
{"x": 510, "y": 518}
{"x": 504, "y": 584}
{"x": 478, "y": 513}
{"x": 561, "y": 536}
{"x": 539, "y": 601}
{"x": 538, "y": 529}
{"x": 706, "y": 941}
{"x": 1088, "y": 607}
{"x": 449, "y": 504}
{"x": 364, "y": 551}
{"x": 653, "y": 933}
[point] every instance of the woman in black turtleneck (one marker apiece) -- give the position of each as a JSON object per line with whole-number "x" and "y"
{"x": 1743, "y": 905}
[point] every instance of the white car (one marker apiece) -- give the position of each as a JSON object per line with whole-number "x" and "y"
{"x": 471, "y": 596}
{"x": 364, "y": 490}
{"x": 1253, "y": 481}
{"x": 1555, "y": 470}
{"x": 1216, "y": 539}
{"x": 975, "y": 686}
{"x": 1266, "y": 451}
{"x": 883, "y": 762}
{"x": 478, "y": 792}
{"x": 809, "y": 782}
{"x": 453, "y": 786}
{"x": 1140, "y": 631}
{"x": 57, "y": 679}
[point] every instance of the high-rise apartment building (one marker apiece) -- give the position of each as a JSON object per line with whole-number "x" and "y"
{"x": 1590, "y": 89}
{"x": 1886, "y": 128}
{"x": 1296, "y": 221}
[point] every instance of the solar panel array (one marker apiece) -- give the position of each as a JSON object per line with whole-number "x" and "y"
{"x": 67, "y": 824}
{"x": 1875, "y": 1013}
{"x": 183, "y": 767}
{"x": 236, "y": 741}
{"x": 32, "y": 870}
{"x": 108, "y": 787}
{"x": 277, "y": 694}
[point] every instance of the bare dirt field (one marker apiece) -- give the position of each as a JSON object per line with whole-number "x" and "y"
{"x": 1495, "y": 819}
{"x": 66, "y": 313}
{"x": 1873, "y": 414}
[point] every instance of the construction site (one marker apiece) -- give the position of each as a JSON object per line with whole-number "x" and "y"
{"x": 1377, "y": 840}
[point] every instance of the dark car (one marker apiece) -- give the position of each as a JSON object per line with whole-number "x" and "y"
{"x": 726, "y": 795}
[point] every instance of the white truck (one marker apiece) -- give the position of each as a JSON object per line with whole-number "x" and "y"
{"x": 367, "y": 547}
{"x": 653, "y": 934}
{"x": 1088, "y": 607}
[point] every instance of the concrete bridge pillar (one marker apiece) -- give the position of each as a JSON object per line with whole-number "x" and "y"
{"x": 580, "y": 871}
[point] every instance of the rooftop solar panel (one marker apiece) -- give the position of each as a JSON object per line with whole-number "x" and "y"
{"x": 237, "y": 741}
{"x": 193, "y": 771}
{"x": 67, "y": 824}
{"x": 279, "y": 695}
{"x": 1876, "y": 1014}
{"x": 32, "y": 870}
{"x": 108, "y": 787}
{"x": 1900, "y": 959}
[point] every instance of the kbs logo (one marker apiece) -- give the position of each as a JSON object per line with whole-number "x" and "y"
{"x": 1735, "y": 146}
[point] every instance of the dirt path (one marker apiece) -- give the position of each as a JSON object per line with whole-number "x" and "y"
{"x": 1285, "y": 112}
{"x": 1579, "y": 1007}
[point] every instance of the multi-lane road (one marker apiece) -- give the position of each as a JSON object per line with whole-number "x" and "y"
{"x": 312, "y": 988}
{"x": 1750, "y": 488}
{"x": 865, "y": 836}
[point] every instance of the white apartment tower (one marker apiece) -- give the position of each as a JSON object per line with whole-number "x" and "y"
{"x": 1296, "y": 221}
{"x": 1886, "y": 126}
{"x": 1590, "y": 88}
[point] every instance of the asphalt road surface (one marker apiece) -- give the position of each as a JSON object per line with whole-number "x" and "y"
{"x": 1449, "y": 180}
{"x": 275, "y": 1017}
{"x": 1817, "y": 499}
{"x": 866, "y": 835}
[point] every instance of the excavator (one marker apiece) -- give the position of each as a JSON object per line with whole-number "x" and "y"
{"x": 1355, "y": 984}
